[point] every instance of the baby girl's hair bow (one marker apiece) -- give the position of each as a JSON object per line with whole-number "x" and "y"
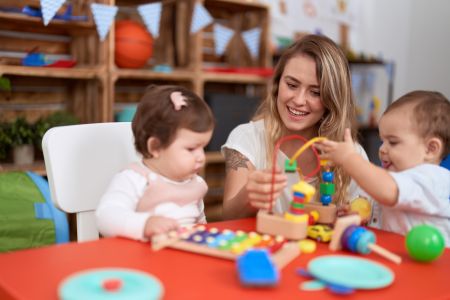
{"x": 178, "y": 100}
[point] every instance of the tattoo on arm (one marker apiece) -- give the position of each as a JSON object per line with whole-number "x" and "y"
{"x": 234, "y": 160}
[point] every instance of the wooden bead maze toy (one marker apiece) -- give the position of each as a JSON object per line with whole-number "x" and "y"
{"x": 227, "y": 244}
{"x": 293, "y": 225}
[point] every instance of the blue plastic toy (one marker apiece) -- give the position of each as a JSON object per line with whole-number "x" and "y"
{"x": 256, "y": 268}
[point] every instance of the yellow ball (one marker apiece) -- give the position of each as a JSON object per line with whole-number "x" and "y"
{"x": 307, "y": 246}
{"x": 362, "y": 206}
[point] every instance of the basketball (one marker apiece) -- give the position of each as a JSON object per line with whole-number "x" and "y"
{"x": 133, "y": 44}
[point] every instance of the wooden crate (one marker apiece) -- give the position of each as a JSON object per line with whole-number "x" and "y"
{"x": 239, "y": 16}
{"x": 175, "y": 45}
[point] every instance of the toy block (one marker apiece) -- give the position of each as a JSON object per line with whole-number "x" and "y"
{"x": 327, "y": 188}
{"x": 277, "y": 225}
{"x": 298, "y": 200}
{"x": 298, "y": 205}
{"x": 327, "y": 214}
{"x": 296, "y": 211}
{"x": 290, "y": 168}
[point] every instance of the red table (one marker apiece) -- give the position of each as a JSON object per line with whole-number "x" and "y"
{"x": 36, "y": 273}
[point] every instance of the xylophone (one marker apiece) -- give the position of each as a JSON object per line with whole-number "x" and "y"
{"x": 227, "y": 244}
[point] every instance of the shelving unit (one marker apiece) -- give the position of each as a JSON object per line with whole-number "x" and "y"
{"x": 96, "y": 88}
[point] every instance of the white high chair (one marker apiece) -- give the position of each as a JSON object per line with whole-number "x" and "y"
{"x": 80, "y": 161}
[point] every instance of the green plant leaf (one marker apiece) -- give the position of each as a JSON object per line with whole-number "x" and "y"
{"x": 5, "y": 84}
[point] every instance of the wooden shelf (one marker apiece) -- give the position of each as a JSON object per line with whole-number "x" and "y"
{"x": 176, "y": 75}
{"x": 37, "y": 167}
{"x": 233, "y": 78}
{"x": 237, "y": 4}
{"x": 28, "y": 20}
{"x": 75, "y": 73}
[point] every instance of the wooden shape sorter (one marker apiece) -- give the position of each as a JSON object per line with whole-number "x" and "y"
{"x": 227, "y": 244}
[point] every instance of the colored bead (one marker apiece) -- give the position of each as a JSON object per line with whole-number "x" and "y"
{"x": 296, "y": 211}
{"x": 314, "y": 214}
{"x": 297, "y": 205}
{"x": 325, "y": 199}
{"x": 290, "y": 168}
{"x": 328, "y": 176}
{"x": 354, "y": 237}
{"x": 299, "y": 195}
{"x": 367, "y": 238}
{"x": 327, "y": 189}
{"x": 323, "y": 162}
{"x": 298, "y": 199}
{"x": 346, "y": 235}
{"x": 313, "y": 217}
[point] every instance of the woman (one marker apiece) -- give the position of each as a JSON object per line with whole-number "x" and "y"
{"x": 311, "y": 96}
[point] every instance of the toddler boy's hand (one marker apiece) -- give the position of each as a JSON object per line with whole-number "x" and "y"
{"x": 337, "y": 152}
{"x": 158, "y": 225}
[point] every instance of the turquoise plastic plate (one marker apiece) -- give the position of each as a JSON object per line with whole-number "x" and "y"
{"x": 357, "y": 273}
{"x": 88, "y": 285}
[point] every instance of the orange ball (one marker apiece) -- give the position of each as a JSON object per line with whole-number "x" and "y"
{"x": 133, "y": 44}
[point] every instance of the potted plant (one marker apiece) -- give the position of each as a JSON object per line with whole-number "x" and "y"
{"x": 5, "y": 140}
{"x": 21, "y": 133}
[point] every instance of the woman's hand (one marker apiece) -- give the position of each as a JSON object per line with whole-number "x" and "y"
{"x": 158, "y": 225}
{"x": 259, "y": 188}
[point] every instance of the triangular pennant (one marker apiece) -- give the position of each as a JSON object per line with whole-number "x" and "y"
{"x": 222, "y": 36}
{"x": 103, "y": 16}
{"x": 251, "y": 39}
{"x": 49, "y": 9}
{"x": 200, "y": 18}
{"x": 151, "y": 15}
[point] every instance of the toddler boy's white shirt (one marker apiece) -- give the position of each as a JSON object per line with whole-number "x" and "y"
{"x": 423, "y": 199}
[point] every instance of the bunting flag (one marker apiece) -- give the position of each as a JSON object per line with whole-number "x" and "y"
{"x": 49, "y": 9}
{"x": 200, "y": 18}
{"x": 151, "y": 15}
{"x": 252, "y": 39}
{"x": 222, "y": 36}
{"x": 103, "y": 16}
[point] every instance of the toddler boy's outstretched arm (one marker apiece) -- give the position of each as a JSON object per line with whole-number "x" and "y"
{"x": 377, "y": 182}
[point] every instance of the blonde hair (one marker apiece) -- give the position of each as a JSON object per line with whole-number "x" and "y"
{"x": 333, "y": 75}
